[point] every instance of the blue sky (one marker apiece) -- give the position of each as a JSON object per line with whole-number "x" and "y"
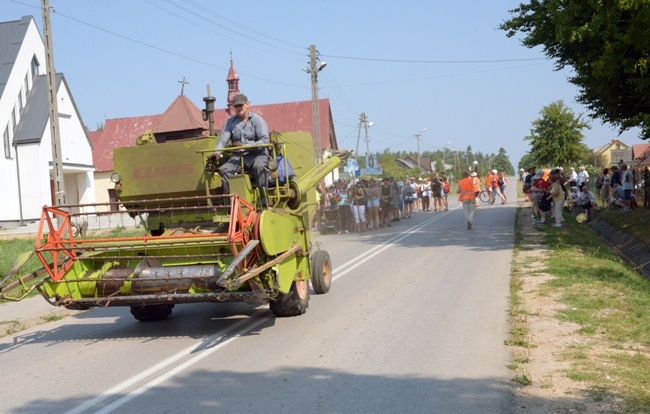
{"x": 440, "y": 65}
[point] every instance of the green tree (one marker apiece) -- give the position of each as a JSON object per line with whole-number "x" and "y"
{"x": 607, "y": 45}
{"x": 526, "y": 162}
{"x": 502, "y": 162}
{"x": 556, "y": 137}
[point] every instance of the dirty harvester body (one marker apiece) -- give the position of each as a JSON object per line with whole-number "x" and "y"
{"x": 199, "y": 245}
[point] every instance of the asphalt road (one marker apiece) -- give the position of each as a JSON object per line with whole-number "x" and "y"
{"x": 414, "y": 323}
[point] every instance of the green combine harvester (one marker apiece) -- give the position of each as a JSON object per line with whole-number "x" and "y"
{"x": 199, "y": 245}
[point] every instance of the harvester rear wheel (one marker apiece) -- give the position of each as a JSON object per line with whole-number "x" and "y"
{"x": 321, "y": 272}
{"x": 293, "y": 303}
{"x": 151, "y": 313}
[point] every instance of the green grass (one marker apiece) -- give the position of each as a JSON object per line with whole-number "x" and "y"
{"x": 10, "y": 249}
{"x": 611, "y": 304}
{"x": 635, "y": 222}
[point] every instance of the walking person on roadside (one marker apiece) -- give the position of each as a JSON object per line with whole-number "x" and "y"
{"x": 359, "y": 202}
{"x": 557, "y": 195}
{"x": 426, "y": 195}
{"x": 503, "y": 184}
{"x": 446, "y": 187}
{"x": 604, "y": 182}
{"x": 628, "y": 184}
{"x": 477, "y": 186}
{"x": 374, "y": 192}
{"x": 386, "y": 202}
{"x": 466, "y": 195}
{"x": 436, "y": 192}
{"x": 496, "y": 191}
{"x": 583, "y": 178}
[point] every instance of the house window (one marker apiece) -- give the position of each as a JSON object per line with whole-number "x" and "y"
{"x": 20, "y": 100}
{"x": 6, "y": 141}
{"x": 35, "y": 66}
{"x": 26, "y": 85}
{"x": 13, "y": 119}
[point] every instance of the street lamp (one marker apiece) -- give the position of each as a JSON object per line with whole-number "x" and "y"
{"x": 443, "y": 155}
{"x": 313, "y": 70}
{"x": 417, "y": 138}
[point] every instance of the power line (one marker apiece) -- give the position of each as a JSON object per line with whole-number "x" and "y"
{"x": 239, "y": 24}
{"x": 230, "y": 29}
{"x": 431, "y": 61}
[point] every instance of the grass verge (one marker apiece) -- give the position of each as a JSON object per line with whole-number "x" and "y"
{"x": 606, "y": 298}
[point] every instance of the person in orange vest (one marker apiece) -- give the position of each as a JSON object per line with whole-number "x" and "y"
{"x": 488, "y": 184}
{"x": 468, "y": 197}
{"x": 477, "y": 186}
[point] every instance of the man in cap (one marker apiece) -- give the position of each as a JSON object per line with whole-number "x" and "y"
{"x": 243, "y": 129}
{"x": 466, "y": 195}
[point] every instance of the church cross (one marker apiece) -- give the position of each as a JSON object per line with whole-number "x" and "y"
{"x": 183, "y": 83}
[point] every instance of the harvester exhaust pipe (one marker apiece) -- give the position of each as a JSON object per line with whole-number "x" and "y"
{"x": 309, "y": 180}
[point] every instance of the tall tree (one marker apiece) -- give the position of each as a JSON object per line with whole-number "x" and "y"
{"x": 556, "y": 137}
{"x": 606, "y": 43}
{"x": 502, "y": 162}
{"x": 527, "y": 161}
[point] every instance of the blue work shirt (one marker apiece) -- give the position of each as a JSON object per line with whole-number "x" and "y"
{"x": 282, "y": 176}
{"x": 254, "y": 131}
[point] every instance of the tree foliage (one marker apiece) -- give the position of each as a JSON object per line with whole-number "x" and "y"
{"x": 556, "y": 137}
{"x": 527, "y": 161}
{"x": 606, "y": 43}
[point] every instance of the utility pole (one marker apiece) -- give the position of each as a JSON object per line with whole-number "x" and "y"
{"x": 313, "y": 70}
{"x": 362, "y": 121}
{"x": 417, "y": 138}
{"x": 50, "y": 74}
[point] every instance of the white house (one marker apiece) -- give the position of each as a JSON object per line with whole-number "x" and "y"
{"x": 26, "y": 161}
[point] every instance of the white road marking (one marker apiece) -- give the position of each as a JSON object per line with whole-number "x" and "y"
{"x": 163, "y": 366}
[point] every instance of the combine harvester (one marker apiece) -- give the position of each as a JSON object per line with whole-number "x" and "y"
{"x": 197, "y": 245}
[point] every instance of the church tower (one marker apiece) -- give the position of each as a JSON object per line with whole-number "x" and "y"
{"x": 233, "y": 85}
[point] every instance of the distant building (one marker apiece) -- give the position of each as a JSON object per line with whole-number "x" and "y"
{"x": 641, "y": 155}
{"x": 26, "y": 167}
{"x": 409, "y": 162}
{"x": 183, "y": 119}
{"x": 611, "y": 153}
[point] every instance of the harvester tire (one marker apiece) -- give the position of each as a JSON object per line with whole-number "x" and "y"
{"x": 321, "y": 272}
{"x": 293, "y": 303}
{"x": 151, "y": 313}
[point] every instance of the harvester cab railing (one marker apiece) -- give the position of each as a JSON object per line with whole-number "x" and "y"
{"x": 278, "y": 187}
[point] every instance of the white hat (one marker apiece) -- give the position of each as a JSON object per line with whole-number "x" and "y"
{"x": 474, "y": 174}
{"x": 494, "y": 171}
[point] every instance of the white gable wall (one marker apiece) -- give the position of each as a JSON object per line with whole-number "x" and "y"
{"x": 32, "y": 45}
{"x": 34, "y": 160}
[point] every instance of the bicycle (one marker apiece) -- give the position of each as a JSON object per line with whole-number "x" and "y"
{"x": 484, "y": 196}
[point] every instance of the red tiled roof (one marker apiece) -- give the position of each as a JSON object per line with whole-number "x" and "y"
{"x": 182, "y": 115}
{"x": 120, "y": 132}
{"x": 290, "y": 116}
{"x": 638, "y": 150}
{"x": 641, "y": 152}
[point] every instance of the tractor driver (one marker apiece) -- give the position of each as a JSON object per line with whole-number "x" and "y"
{"x": 242, "y": 129}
